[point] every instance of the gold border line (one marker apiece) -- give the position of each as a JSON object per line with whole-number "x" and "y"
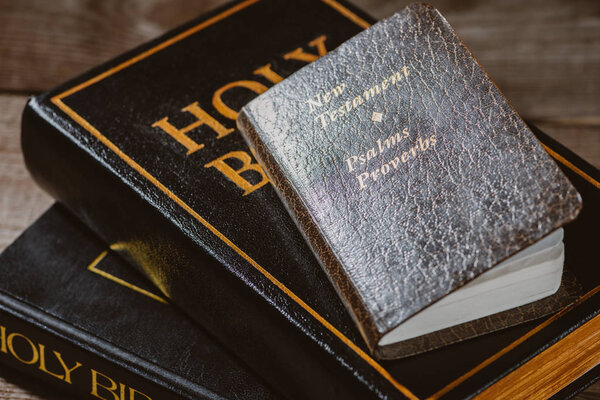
{"x": 511, "y": 346}
{"x": 572, "y": 167}
{"x": 514, "y": 344}
{"x": 106, "y": 275}
{"x": 553, "y": 369}
{"x": 57, "y": 100}
{"x": 159, "y": 47}
{"x": 347, "y": 13}
{"x": 80, "y": 120}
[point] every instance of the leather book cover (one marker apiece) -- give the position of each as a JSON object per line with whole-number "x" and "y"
{"x": 74, "y": 314}
{"x": 198, "y": 218}
{"x": 405, "y": 168}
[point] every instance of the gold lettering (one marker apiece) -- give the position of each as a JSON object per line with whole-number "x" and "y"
{"x": 323, "y": 118}
{"x": 67, "y": 371}
{"x": 224, "y": 109}
{"x": 371, "y": 153}
{"x": 404, "y": 71}
{"x": 112, "y": 389}
{"x": 300, "y": 55}
{"x": 351, "y": 161}
{"x": 312, "y": 104}
{"x": 34, "y": 351}
{"x": 42, "y": 366}
{"x": 348, "y": 106}
{"x": 3, "y": 339}
{"x": 235, "y": 174}
{"x": 361, "y": 180}
{"x": 268, "y": 73}
{"x": 339, "y": 89}
{"x": 371, "y": 92}
{"x": 203, "y": 118}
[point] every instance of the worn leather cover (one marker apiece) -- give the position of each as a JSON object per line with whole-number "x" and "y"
{"x": 405, "y": 168}
{"x": 237, "y": 264}
{"x": 61, "y": 288}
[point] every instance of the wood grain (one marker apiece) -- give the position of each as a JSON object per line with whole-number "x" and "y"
{"x": 21, "y": 201}
{"x": 553, "y": 369}
{"x": 44, "y": 43}
{"x": 583, "y": 139}
{"x": 544, "y": 55}
{"x": 17, "y": 386}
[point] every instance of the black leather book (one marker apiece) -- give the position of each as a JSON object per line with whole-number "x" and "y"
{"x": 74, "y": 314}
{"x": 410, "y": 176}
{"x": 144, "y": 150}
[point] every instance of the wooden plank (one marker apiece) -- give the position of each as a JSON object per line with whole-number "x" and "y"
{"x": 583, "y": 139}
{"x": 16, "y": 386}
{"x": 545, "y": 55}
{"x": 21, "y": 201}
{"x": 44, "y": 43}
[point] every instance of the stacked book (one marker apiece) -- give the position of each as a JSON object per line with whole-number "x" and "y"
{"x": 287, "y": 200}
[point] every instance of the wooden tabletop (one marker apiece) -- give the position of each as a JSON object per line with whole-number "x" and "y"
{"x": 544, "y": 55}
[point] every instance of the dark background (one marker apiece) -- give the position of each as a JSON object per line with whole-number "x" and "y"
{"x": 544, "y": 56}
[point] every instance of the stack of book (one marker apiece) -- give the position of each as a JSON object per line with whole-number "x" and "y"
{"x": 171, "y": 267}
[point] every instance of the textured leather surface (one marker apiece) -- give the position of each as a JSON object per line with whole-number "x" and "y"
{"x": 48, "y": 294}
{"x": 453, "y": 181}
{"x": 201, "y": 272}
{"x": 296, "y": 353}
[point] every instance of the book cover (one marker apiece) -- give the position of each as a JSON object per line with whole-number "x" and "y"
{"x": 199, "y": 219}
{"x": 407, "y": 171}
{"x": 74, "y": 314}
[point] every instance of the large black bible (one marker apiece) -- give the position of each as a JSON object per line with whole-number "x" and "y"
{"x": 144, "y": 150}
{"x": 74, "y": 314}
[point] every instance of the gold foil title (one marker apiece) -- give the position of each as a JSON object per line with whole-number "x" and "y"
{"x": 249, "y": 176}
{"x": 316, "y": 102}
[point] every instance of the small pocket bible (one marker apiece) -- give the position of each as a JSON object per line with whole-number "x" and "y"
{"x": 426, "y": 198}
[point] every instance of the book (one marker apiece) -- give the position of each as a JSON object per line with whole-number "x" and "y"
{"x": 219, "y": 243}
{"x": 426, "y": 198}
{"x": 75, "y": 315}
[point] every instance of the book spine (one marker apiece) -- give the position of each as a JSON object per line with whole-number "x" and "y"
{"x": 203, "y": 276}
{"x": 66, "y": 358}
{"x": 311, "y": 232}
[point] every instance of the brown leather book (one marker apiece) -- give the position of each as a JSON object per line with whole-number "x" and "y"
{"x": 416, "y": 184}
